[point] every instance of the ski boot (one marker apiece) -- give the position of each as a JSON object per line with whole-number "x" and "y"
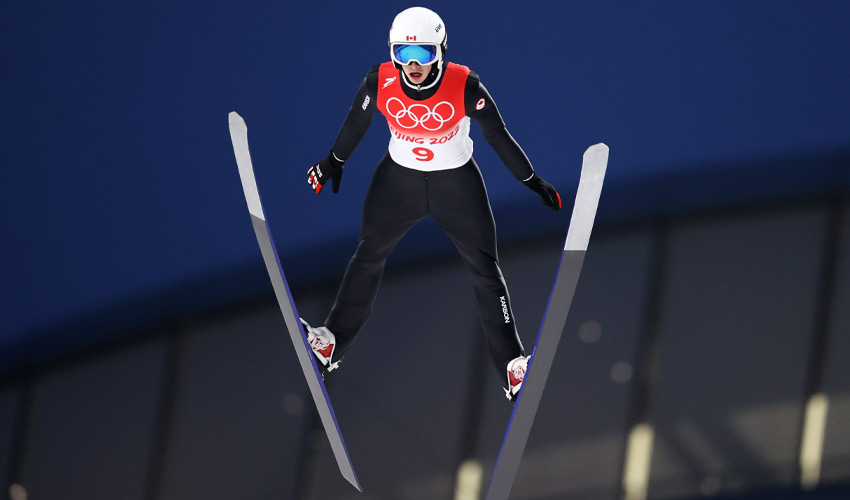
{"x": 323, "y": 344}
{"x": 516, "y": 373}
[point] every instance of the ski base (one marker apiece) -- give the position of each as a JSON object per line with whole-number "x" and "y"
{"x": 239, "y": 137}
{"x": 594, "y": 165}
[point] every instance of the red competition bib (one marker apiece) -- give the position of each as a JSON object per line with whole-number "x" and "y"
{"x": 426, "y": 135}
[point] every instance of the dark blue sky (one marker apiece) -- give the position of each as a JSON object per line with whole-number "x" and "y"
{"x": 119, "y": 180}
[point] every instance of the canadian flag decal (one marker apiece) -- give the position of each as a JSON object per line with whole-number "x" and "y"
{"x": 410, "y": 38}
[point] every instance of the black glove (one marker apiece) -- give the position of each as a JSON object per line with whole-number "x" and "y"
{"x": 330, "y": 168}
{"x": 550, "y": 196}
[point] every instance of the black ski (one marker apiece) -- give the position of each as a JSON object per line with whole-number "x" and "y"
{"x": 239, "y": 137}
{"x": 593, "y": 168}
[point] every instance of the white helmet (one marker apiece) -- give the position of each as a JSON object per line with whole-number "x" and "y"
{"x": 417, "y": 26}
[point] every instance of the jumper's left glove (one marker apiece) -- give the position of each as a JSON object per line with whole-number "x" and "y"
{"x": 550, "y": 196}
{"x": 330, "y": 168}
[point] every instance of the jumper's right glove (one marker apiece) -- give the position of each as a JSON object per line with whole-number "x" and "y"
{"x": 330, "y": 168}
{"x": 550, "y": 196}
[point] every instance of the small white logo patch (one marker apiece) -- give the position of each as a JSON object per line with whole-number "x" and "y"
{"x": 365, "y": 103}
{"x": 388, "y": 82}
{"x": 480, "y": 104}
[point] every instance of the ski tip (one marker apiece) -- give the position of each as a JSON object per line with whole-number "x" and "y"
{"x": 233, "y": 119}
{"x": 594, "y": 165}
{"x": 595, "y": 160}
{"x": 596, "y": 149}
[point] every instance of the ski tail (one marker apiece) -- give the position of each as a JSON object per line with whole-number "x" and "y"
{"x": 239, "y": 137}
{"x": 594, "y": 165}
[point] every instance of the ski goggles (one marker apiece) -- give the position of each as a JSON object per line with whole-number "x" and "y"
{"x": 423, "y": 54}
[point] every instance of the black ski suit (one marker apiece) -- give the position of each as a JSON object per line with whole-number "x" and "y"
{"x": 456, "y": 198}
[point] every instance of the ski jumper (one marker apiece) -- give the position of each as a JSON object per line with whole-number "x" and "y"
{"x": 428, "y": 171}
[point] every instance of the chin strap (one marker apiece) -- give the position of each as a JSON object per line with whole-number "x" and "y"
{"x": 426, "y": 87}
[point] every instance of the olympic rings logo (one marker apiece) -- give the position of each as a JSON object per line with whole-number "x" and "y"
{"x": 420, "y": 114}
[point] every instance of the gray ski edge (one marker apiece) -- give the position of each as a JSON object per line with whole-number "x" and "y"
{"x": 239, "y": 138}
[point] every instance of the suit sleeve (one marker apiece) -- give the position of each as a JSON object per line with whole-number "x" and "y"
{"x": 359, "y": 117}
{"x": 481, "y": 108}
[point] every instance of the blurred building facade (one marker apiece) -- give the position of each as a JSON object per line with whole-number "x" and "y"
{"x": 704, "y": 356}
